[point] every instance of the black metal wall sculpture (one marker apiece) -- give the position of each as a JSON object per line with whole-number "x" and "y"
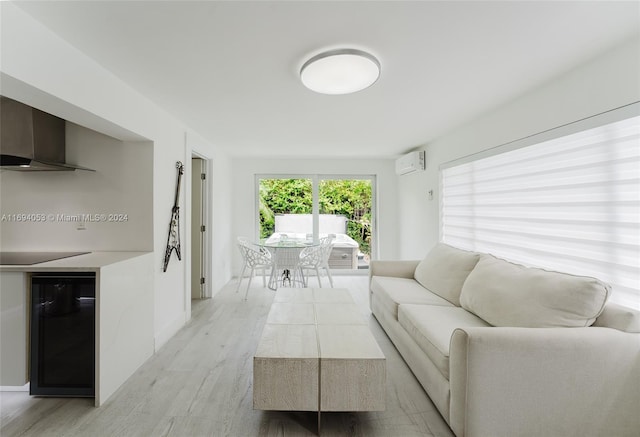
{"x": 173, "y": 239}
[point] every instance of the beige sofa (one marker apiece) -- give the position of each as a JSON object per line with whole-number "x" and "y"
{"x": 506, "y": 350}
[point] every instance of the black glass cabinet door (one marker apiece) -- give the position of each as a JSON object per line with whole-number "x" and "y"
{"x": 63, "y": 335}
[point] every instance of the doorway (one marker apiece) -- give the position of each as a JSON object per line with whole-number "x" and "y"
{"x": 198, "y": 227}
{"x": 319, "y": 205}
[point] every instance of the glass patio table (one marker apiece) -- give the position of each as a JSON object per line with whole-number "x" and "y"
{"x": 286, "y": 254}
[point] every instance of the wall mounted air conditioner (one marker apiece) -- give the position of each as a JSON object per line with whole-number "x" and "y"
{"x": 411, "y": 162}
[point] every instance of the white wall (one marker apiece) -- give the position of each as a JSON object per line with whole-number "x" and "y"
{"x": 244, "y": 193}
{"x": 605, "y": 83}
{"x": 121, "y": 184}
{"x": 42, "y": 70}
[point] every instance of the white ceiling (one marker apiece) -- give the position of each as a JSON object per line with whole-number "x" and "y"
{"x": 229, "y": 70}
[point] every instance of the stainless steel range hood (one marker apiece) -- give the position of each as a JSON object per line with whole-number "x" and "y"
{"x": 31, "y": 140}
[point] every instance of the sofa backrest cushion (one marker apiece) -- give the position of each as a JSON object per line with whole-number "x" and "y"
{"x": 444, "y": 270}
{"x": 619, "y": 317}
{"x": 507, "y": 294}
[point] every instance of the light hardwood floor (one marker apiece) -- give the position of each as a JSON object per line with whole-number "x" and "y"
{"x": 200, "y": 384}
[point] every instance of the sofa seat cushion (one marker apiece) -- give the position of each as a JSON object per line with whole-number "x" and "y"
{"x": 444, "y": 270}
{"x": 507, "y": 294}
{"x": 431, "y": 328}
{"x": 395, "y": 291}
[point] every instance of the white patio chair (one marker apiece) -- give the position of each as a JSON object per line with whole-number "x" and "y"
{"x": 253, "y": 258}
{"x": 286, "y": 261}
{"x": 316, "y": 258}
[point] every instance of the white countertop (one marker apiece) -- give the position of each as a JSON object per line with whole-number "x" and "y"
{"x": 87, "y": 262}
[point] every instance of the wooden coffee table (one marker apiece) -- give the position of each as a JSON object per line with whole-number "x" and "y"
{"x": 317, "y": 353}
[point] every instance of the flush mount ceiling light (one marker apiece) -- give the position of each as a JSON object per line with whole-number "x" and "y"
{"x": 340, "y": 71}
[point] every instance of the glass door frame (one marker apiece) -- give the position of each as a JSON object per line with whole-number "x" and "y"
{"x": 315, "y": 186}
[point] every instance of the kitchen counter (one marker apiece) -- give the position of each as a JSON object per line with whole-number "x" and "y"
{"x": 124, "y": 315}
{"x": 88, "y": 262}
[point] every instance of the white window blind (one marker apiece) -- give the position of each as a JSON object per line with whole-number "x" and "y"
{"x": 570, "y": 204}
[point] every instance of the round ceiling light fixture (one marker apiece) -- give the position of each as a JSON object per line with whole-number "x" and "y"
{"x": 341, "y": 71}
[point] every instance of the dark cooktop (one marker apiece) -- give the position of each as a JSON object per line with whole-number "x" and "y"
{"x": 30, "y": 258}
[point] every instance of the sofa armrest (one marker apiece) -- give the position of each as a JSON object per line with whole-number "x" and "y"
{"x": 395, "y": 268}
{"x": 544, "y": 381}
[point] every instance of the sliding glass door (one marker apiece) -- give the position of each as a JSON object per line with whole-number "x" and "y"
{"x": 285, "y": 206}
{"x": 345, "y": 210}
{"x": 316, "y": 206}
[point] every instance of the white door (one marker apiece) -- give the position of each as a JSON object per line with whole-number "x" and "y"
{"x": 198, "y": 228}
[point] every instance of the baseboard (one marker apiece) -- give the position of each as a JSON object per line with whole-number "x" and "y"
{"x": 16, "y": 388}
